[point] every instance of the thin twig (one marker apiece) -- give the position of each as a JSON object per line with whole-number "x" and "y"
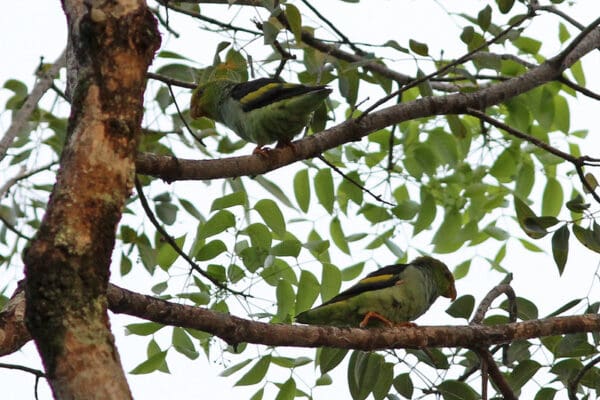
{"x": 22, "y": 116}
{"x": 36, "y": 372}
{"x": 285, "y": 56}
{"x": 23, "y": 174}
{"x": 164, "y": 22}
{"x": 573, "y": 383}
{"x": 352, "y": 181}
{"x": 491, "y": 296}
{"x": 12, "y": 228}
{"x": 578, "y": 162}
{"x": 204, "y": 18}
{"x": 169, "y": 239}
{"x": 344, "y": 38}
{"x": 171, "y": 81}
{"x": 442, "y": 70}
{"x": 199, "y": 139}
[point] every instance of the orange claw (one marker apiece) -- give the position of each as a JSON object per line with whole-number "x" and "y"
{"x": 261, "y": 151}
{"x": 390, "y": 324}
{"x": 373, "y": 314}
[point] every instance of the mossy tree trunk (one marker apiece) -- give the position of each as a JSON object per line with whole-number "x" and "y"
{"x": 111, "y": 45}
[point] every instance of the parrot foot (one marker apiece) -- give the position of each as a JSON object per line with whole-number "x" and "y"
{"x": 373, "y": 314}
{"x": 261, "y": 151}
{"x": 282, "y": 144}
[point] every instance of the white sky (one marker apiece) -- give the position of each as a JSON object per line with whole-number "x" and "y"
{"x": 31, "y": 29}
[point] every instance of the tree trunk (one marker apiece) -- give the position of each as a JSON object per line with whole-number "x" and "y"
{"x": 111, "y": 45}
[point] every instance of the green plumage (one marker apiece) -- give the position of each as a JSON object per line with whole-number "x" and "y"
{"x": 398, "y": 293}
{"x": 261, "y": 111}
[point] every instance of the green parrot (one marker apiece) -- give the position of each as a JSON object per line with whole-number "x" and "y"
{"x": 261, "y": 111}
{"x": 395, "y": 294}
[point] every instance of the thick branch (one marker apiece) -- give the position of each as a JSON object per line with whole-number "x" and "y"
{"x": 171, "y": 169}
{"x": 237, "y": 330}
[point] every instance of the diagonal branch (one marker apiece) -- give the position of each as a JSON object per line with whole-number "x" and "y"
{"x": 578, "y": 162}
{"x": 351, "y": 130}
{"x": 22, "y": 116}
{"x": 169, "y": 239}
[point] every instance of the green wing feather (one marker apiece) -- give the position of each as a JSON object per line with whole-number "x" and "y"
{"x": 380, "y": 279}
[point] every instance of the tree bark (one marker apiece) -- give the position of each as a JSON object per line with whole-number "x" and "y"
{"x": 110, "y": 46}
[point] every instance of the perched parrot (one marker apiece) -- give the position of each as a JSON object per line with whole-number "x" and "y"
{"x": 261, "y": 111}
{"x": 395, "y": 294}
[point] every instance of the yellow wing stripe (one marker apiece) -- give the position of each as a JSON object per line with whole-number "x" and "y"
{"x": 376, "y": 279}
{"x": 262, "y": 91}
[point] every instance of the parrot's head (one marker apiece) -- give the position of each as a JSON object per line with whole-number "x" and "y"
{"x": 207, "y": 98}
{"x": 443, "y": 278}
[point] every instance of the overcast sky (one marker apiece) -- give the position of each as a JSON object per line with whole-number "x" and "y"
{"x": 33, "y": 29}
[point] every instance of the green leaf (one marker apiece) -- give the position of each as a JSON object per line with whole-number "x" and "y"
{"x": 577, "y": 204}
{"x": 287, "y": 391}
{"x": 564, "y": 308}
{"x": 574, "y": 345}
{"x": 563, "y": 33}
{"x": 167, "y": 255}
{"x": 419, "y": 48}
{"x": 525, "y": 180}
{"x": 526, "y": 214}
{"x": 505, "y": 167}
{"x": 462, "y": 269}
{"x": 167, "y": 212}
{"x": 210, "y": 250}
{"x": 287, "y": 248}
{"x": 447, "y": 238}
{"x": 384, "y": 381}
{"x": 302, "y": 189}
{"x": 329, "y": 358}
{"x": 337, "y": 235}
{"x": 270, "y": 32}
{"x": 183, "y": 344}
{"x": 256, "y": 373}
{"x": 324, "y": 189}
{"x": 527, "y": 45}
{"x": 587, "y": 237}
{"x": 560, "y": 247}
{"x": 331, "y": 281}
{"x": 427, "y": 212}
{"x": 484, "y": 18}
{"x": 363, "y": 371}
{"x": 526, "y": 310}
{"x": 462, "y": 307}
{"x": 238, "y": 198}
{"x": 545, "y": 393}
{"x": 403, "y": 385}
{"x": 553, "y": 198}
{"x": 260, "y": 236}
{"x": 295, "y": 20}
{"x": 271, "y": 214}
{"x": 151, "y": 364}
{"x": 274, "y": 189}
{"x": 218, "y": 223}
{"x": 308, "y": 291}
{"x": 234, "y": 368}
{"x": 353, "y": 271}
{"x": 456, "y": 390}
{"x": 285, "y": 300}
{"x": 143, "y": 329}
{"x": 523, "y": 373}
